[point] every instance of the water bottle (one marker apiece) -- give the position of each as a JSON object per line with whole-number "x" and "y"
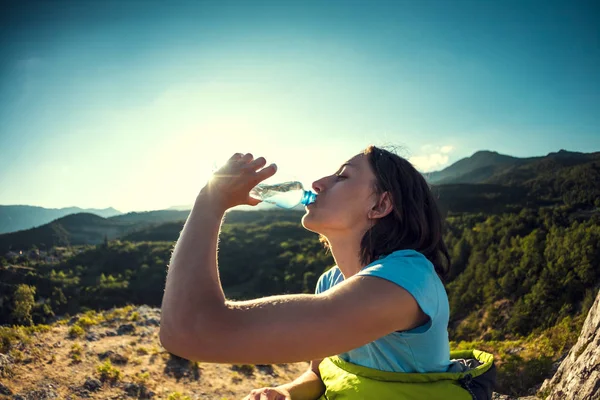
{"x": 284, "y": 195}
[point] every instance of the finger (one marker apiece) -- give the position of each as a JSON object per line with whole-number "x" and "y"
{"x": 257, "y": 164}
{"x": 235, "y": 157}
{"x": 266, "y": 173}
{"x": 246, "y": 158}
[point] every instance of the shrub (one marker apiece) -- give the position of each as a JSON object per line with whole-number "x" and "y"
{"x": 142, "y": 377}
{"x": 245, "y": 369}
{"x": 177, "y": 396}
{"x": 75, "y": 352}
{"x": 76, "y": 331}
{"x": 9, "y": 337}
{"x": 108, "y": 372}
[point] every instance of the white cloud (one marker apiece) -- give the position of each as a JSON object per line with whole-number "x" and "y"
{"x": 432, "y": 157}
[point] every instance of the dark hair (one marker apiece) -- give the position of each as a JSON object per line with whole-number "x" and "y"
{"x": 415, "y": 222}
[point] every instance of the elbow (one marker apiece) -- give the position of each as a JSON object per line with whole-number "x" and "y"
{"x": 166, "y": 338}
{"x": 191, "y": 344}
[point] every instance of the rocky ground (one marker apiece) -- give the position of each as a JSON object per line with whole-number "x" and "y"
{"x": 120, "y": 357}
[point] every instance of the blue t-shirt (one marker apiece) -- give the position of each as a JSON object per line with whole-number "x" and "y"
{"x": 422, "y": 349}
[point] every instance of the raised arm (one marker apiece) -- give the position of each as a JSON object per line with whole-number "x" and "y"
{"x": 198, "y": 323}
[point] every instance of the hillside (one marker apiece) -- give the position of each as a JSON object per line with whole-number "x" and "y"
{"x": 20, "y": 217}
{"x": 73, "y": 229}
{"x": 81, "y": 229}
{"x": 494, "y": 168}
{"x": 559, "y": 177}
{"x": 475, "y": 169}
{"x": 117, "y": 354}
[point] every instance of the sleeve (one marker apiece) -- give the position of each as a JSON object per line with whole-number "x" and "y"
{"x": 415, "y": 274}
{"x": 324, "y": 282}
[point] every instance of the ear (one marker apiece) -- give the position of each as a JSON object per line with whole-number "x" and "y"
{"x": 383, "y": 207}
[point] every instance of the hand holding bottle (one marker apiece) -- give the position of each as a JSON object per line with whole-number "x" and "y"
{"x": 231, "y": 184}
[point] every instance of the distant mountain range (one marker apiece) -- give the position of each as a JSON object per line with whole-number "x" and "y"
{"x": 19, "y": 217}
{"x": 492, "y": 167}
{"x": 486, "y": 182}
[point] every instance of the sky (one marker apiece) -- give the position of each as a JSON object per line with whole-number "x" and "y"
{"x": 132, "y": 104}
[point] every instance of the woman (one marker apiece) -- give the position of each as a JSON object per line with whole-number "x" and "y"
{"x": 382, "y": 307}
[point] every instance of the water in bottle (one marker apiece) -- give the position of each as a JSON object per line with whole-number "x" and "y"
{"x": 285, "y": 195}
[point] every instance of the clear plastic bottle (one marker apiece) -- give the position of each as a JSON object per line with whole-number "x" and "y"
{"x": 284, "y": 195}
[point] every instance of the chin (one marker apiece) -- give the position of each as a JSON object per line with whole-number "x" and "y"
{"x": 309, "y": 223}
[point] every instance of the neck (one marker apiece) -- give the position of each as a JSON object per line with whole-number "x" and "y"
{"x": 346, "y": 253}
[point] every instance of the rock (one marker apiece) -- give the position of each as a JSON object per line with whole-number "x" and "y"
{"x": 92, "y": 384}
{"x": 43, "y": 393}
{"x": 79, "y": 393}
{"x": 181, "y": 368}
{"x": 126, "y": 329}
{"x": 111, "y": 333}
{"x": 114, "y": 358}
{"x": 266, "y": 369}
{"x": 139, "y": 391}
{"x": 152, "y": 321}
{"x": 18, "y": 397}
{"x": 5, "y": 390}
{"x": 578, "y": 376}
{"x": 106, "y": 354}
{"x": 514, "y": 350}
{"x": 92, "y": 337}
{"x": 119, "y": 359}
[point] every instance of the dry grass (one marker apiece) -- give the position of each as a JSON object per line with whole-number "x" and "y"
{"x": 55, "y": 358}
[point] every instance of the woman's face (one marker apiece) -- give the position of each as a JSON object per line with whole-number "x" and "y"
{"x": 343, "y": 200}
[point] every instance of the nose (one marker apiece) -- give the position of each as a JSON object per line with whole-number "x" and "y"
{"x": 318, "y": 185}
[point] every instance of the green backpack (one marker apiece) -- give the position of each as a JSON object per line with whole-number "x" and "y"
{"x": 348, "y": 381}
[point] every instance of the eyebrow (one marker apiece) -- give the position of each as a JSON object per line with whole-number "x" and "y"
{"x": 345, "y": 165}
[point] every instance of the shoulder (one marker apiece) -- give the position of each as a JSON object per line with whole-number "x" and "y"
{"x": 408, "y": 263}
{"x": 328, "y": 279}
{"x": 413, "y": 272}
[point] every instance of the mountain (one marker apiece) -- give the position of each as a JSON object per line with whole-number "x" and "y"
{"x": 18, "y": 217}
{"x": 475, "y": 169}
{"x": 493, "y": 183}
{"x": 492, "y": 167}
{"x": 149, "y": 217}
{"x": 83, "y": 228}
{"x": 162, "y": 225}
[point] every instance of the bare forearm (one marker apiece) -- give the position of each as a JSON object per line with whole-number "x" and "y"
{"x": 307, "y": 386}
{"x": 193, "y": 283}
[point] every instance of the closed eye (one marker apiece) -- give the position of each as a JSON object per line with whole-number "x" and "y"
{"x": 340, "y": 177}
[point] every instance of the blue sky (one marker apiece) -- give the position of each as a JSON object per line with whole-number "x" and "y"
{"x": 131, "y": 104}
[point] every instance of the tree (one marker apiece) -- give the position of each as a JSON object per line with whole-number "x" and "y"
{"x": 24, "y": 300}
